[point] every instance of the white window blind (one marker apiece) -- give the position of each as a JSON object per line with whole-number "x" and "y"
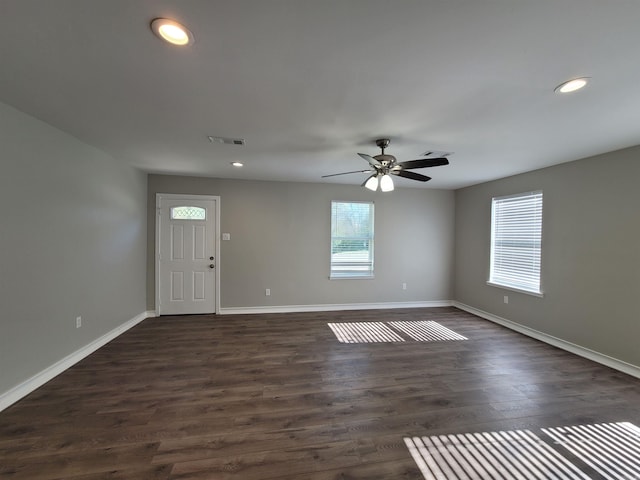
{"x": 516, "y": 233}
{"x": 351, "y": 239}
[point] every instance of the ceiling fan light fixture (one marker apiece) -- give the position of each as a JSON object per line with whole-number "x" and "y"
{"x": 571, "y": 85}
{"x": 172, "y": 32}
{"x": 372, "y": 183}
{"x": 386, "y": 183}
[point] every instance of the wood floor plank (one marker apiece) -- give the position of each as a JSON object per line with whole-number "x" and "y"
{"x": 278, "y": 396}
{"x": 272, "y": 463}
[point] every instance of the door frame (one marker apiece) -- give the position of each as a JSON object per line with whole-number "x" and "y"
{"x": 158, "y": 216}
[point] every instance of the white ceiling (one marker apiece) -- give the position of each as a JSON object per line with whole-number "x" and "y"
{"x": 308, "y": 83}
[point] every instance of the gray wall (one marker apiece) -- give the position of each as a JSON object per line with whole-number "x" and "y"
{"x": 590, "y": 253}
{"x": 280, "y": 240}
{"x": 72, "y": 243}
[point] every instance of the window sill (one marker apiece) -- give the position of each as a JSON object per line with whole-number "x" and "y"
{"x": 515, "y": 289}
{"x": 351, "y": 277}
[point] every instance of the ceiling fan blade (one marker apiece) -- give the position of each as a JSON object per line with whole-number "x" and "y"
{"x": 425, "y": 162}
{"x": 411, "y": 175}
{"x": 372, "y": 161}
{"x": 345, "y": 173}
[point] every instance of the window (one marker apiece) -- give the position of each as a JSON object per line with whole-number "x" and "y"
{"x": 351, "y": 239}
{"x": 516, "y": 232}
{"x": 188, "y": 213}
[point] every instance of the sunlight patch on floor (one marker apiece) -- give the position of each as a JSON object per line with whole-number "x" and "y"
{"x": 426, "y": 331}
{"x": 364, "y": 332}
{"x": 385, "y": 332}
{"x": 516, "y": 454}
{"x": 612, "y": 450}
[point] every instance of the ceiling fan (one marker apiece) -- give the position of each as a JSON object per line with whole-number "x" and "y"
{"x": 383, "y": 166}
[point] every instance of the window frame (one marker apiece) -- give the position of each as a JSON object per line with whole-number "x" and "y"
{"x": 353, "y": 274}
{"x": 497, "y": 280}
{"x": 194, "y": 207}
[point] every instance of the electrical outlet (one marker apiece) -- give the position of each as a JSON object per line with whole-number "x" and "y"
{"x": 78, "y": 322}
{"x": 404, "y": 286}
{"x": 506, "y": 299}
{"x": 267, "y": 292}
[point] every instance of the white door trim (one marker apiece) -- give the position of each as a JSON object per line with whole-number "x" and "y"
{"x": 177, "y": 196}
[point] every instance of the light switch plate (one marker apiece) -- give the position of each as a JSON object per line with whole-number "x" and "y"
{"x": 226, "y": 236}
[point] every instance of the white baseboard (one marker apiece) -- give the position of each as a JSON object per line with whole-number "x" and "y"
{"x": 25, "y": 388}
{"x": 598, "y": 357}
{"x": 333, "y": 307}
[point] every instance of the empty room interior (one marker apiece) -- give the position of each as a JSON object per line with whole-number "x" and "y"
{"x": 356, "y": 239}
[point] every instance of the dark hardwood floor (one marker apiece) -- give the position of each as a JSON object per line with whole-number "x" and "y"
{"x": 277, "y": 396}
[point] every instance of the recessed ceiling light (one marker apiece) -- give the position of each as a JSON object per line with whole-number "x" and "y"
{"x": 571, "y": 85}
{"x": 237, "y": 164}
{"x": 172, "y": 31}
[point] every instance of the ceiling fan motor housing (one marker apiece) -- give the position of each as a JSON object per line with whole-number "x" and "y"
{"x": 385, "y": 160}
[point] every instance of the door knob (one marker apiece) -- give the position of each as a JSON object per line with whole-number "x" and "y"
{"x": 212, "y": 265}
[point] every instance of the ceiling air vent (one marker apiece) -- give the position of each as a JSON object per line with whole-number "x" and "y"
{"x": 226, "y": 140}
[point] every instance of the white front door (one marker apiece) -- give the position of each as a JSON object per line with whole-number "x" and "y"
{"x": 186, "y": 254}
